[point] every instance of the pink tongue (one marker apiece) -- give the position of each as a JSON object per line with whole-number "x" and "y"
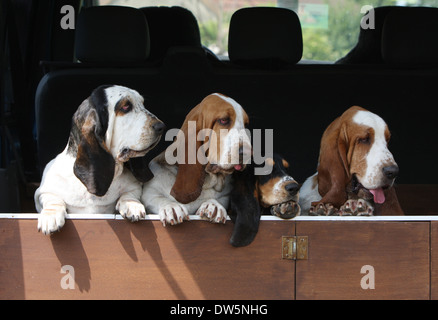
{"x": 379, "y": 196}
{"x": 238, "y": 167}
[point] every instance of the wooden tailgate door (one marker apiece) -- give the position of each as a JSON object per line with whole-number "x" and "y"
{"x": 115, "y": 259}
{"x": 434, "y": 260}
{"x": 364, "y": 260}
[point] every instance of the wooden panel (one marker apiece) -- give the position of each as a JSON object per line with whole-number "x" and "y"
{"x": 434, "y": 260}
{"x": 397, "y": 251}
{"x": 11, "y": 262}
{"x": 119, "y": 260}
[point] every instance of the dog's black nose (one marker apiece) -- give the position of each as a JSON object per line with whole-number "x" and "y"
{"x": 391, "y": 172}
{"x": 292, "y": 188}
{"x": 159, "y": 127}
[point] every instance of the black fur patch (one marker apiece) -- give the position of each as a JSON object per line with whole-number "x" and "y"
{"x": 99, "y": 101}
{"x": 245, "y": 209}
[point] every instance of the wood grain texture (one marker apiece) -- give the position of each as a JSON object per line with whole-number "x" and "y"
{"x": 120, "y": 260}
{"x": 115, "y": 259}
{"x": 434, "y": 260}
{"x": 398, "y": 251}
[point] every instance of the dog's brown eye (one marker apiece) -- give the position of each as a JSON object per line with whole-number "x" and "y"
{"x": 365, "y": 140}
{"x": 224, "y": 121}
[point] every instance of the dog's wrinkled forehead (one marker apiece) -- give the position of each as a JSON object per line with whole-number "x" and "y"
{"x": 114, "y": 94}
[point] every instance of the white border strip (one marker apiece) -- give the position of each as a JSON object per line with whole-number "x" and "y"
{"x": 373, "y": 218}
{"x": 155, "y": 217}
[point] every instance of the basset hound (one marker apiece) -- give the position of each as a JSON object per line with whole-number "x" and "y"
{"x": 109, "y": 130}
{"x": 356, "y": 170}
{"x": 253, "y": 195}
{"x": 213, "y": 135}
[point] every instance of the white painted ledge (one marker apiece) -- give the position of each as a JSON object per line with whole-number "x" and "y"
{"x": 155, "y": 217}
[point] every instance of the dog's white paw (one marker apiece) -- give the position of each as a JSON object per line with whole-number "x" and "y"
{"x": 212, "y": 211}
{"x": 173, "y": 213}
{"x": 131, "y": 210}
{"x": 51, "y": 219}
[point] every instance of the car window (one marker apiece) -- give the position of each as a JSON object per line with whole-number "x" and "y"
{"x": 330, "y": 27}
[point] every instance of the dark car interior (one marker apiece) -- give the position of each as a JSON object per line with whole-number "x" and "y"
{"x": 48, "y": 71}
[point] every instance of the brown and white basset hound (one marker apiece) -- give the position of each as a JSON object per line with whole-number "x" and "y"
{"x": 356, "y": 170}
{"x": 193, "y": 175}
{"x": 101, "y": 168}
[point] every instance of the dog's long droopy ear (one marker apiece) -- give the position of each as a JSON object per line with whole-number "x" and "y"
{"x": 245, "y": 210}
{"x": 333, "y": 172}
{"x": 94, "y": 165}
{"x": 139, "y": 167}
{"x": 190, "y": 176}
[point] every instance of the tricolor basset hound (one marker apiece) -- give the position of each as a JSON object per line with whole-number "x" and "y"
{"x": 275, "y": 192}
{"x": 109, "y": 130}
{"x": 356, "y": 170}
{"x": 201, "y": 186}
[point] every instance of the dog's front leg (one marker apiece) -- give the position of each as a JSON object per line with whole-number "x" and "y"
{"x": 170, "y": 211}
{"x": 52, "y": 216}
{"x": 157, "y": 200}
{"x": 214, "y": 209}
{"x": 130, "y": 207}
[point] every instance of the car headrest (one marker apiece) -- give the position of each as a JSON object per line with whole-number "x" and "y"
{"x": 170, "y": 27}
{"x": 410, "y": 36}
{"x": 368, "y": 49}
{"x": 112, "y": 34}
{"x": 265, "y": 34}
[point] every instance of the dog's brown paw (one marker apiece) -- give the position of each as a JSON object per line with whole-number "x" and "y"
{"x": 323, "y": 209}
{"x": 286, "y": 210}
{"x": 356, "y": 207}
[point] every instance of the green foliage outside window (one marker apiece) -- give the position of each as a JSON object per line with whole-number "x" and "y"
{"x": 330, "y": 27}
{"x": 325, "y": 42}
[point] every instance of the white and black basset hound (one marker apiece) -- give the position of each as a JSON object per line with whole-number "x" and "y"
{"x": 111, "y": 131}
{"x": 187, "y": 187}
{"x": 356, "y": 170}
